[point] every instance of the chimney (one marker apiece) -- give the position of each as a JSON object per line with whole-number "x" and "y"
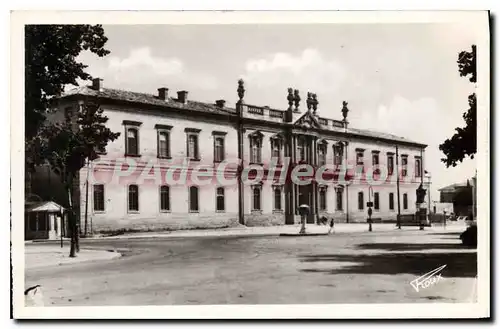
{"x": 182, "y": 96}
{"x": 163, "y": 93}
{"x": 220, "y": 103}
{"x": 97, "y": 84}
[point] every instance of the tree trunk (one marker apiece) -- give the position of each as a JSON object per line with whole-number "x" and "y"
{"x": 72, "y": 221}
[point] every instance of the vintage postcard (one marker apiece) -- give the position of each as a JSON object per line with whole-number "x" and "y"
{"x": 250, "y": 165}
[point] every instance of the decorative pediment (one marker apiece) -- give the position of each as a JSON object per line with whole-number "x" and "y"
{"x": 278, "y": 136}
{"x": 256, "y": 134}
{"x": 308, "y": 121}
{"x": 322, "y": 141}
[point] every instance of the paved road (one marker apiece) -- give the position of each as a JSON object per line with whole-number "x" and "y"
{"x": 343, "y": 268}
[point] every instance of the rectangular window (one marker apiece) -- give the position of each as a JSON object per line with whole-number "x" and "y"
{"x": 192, "y": 151}
{"x": 220, "y": 199}
{"x": 376, "y": 201}
{"x": 165, "y": 198}
{"x": 390, "y": 164}
{"x": 375, "y": 162}
{"x": 361, "y": 201}
{"x": 99, "y": 197}
{"x": 277, "y": 198}
{"x": 405, "y": 201}
{"x": 133, "y": 198}
{"x": 193, "y": 199}
{"x": 337, "y": 155}
{"x": 256, "y": 197}
{"x": 339, "y": 199}
{"x": 276, "y": 149}
{"x": 321, "y": 154}
{"x": 219, "y": 149}
{"x": 404, "y": 165}
{"x": 256, "y": 150}
{"x": 418, "y": 167}
{"x": 322, "y": 199}
{"x": 391, "y": 201}
{"x": 132, "y": 146}
{"x": 360, "y": 158}
{"x": 163, "y": 144}
{"x": 301, "y": 149}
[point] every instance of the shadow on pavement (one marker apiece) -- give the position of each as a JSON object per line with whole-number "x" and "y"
{"x": 410, "y": 246}
{"x": 457, "y": 264}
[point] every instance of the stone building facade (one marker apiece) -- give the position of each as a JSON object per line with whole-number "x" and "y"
{"x": 137, "y": 184}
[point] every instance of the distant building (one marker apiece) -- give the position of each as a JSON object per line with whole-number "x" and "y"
{"x": 166, "y": 129}
{"x": 460, "y": 195}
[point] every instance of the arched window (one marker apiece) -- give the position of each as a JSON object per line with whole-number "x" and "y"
{"x": 277, "y": 198}
{"x": 164, "y": 198}
{"x": 391, "y": 201}
{"x": 322, "y": 199}
{"x": 256, "y": 197}
{"x": 133, "y": 198}
{"x": 193, "y": 199}
{"x": 220, "y": 199}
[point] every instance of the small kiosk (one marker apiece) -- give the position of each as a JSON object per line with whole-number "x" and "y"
{"x": 43, "y": 220}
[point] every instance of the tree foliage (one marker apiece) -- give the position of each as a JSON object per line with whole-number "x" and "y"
{"x": 464, "y": 142}
{"x": 51, "y": 63}
{"x": 68, "y": 145}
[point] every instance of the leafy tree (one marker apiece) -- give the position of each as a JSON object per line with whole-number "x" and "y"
{"x": 463, "y": 143}
{"x": 68, "y": 145}
{"x": 51, "y": 63}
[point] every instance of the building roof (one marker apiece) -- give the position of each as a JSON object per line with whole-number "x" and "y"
{"x": 452, "y": 187}
{"x": 148, "y": 99}
{"x": 201, "y": 107}
{"x": 45, "y": 206}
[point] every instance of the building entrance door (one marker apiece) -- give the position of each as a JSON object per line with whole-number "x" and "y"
{"x": 305, "y": 197}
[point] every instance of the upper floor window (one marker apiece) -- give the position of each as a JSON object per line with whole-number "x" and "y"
{"x": 163, "y": 136}
{"x": 132, "y": 137}
{"x": 164, "y": 198}
{"x": 193, "y": 150}
{"x": 337, "y": 154}
{"x": 132, "y": 141}
{"x": 276, "y": 148}
{"x": 375, "y": 162}
{"x": 194, "y": 199}
{"x": 322, "y": 147}
{"x": 256, "y": 147}
{"x": 220, "y": 199}
{"x": 418, "y": 167}
{"x": 133, "y": 198}
{"x": 301, "y": 149}
{"x": 404, "y": 165}
{"x": 390, "y": 163}
{"x": 99, "y": 197}
{"x": 219, "y": 145}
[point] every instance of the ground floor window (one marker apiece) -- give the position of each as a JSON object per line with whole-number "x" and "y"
{"x": 405, "y": 201}
{"x": 322, "y": 199}
{"x": 133, "y": 198}
{"x": 391, "y": 201}
{"x": 220, "y": 202}
{"x": 165, "y": 198}
{"x": 99, "y": 197}
{"x": 277, "y": 198}
{"x": 256, "y": 197}
{"x": 376, "y": 201}
{"x": 193, "y": 199}
{"x": 361, "y": 200}
{"x": 339, "y": 199}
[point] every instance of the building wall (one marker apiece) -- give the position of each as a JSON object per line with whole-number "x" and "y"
{"x": 116, "y": 216}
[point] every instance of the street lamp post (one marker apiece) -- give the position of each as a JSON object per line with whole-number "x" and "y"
{"x": 370, "y": 205}
{"x": 428, "y": 175}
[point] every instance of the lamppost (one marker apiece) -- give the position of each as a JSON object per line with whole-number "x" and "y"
{"x": 370, "y": 205}
{"x": 428, "y": 176}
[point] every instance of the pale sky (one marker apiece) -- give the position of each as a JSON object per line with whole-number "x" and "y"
{"x": 397, "y": 78}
